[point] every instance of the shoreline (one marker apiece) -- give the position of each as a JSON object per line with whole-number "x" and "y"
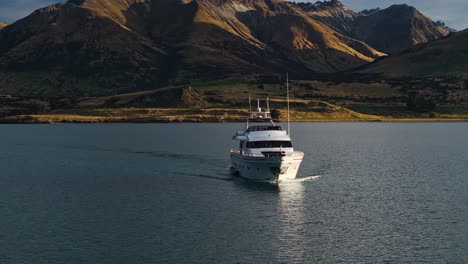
{"x": 219, "y": 115}
{"x": 52, "y": 119}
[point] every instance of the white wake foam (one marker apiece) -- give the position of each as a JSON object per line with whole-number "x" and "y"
{"x": 305, "y": 179}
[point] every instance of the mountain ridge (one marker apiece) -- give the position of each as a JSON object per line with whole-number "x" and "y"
{"x": 389, "y": 30}
{"x": 383, "y": 31}
{"x": 119, "y": 46}
{"x": 443, "y": 57}
{"x": 92, "y": 48}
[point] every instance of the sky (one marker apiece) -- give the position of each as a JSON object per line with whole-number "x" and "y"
{"x": 452, "y": 12}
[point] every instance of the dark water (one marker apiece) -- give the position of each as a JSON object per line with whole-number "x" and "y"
{"x": 126, "y": 193}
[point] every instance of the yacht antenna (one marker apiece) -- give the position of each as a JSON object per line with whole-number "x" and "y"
{"x": 250, "y": 104}
{"x": 287, "y": 95}
{"x": 268, "y": 104}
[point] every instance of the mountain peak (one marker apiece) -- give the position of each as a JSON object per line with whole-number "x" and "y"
{"x": 320, "y": 5}
{"x": 331, "y": 13}
{"x": 331, "y": 3}
{"x": 397, "y": 28}
{"x": 367, "y": 12}
{"x": 402, "y": 7}
{"x": 113, "y": 46}
{"x": 405, "y": 6}
{"x": 110, "y": 46}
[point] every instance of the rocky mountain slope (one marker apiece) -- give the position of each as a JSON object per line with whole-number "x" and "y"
{"x": 397, "y": 28}
{"x": 109, "y": 46}
{"x": 333, "y": 14}
{"x": 68, "y": 49}
{"x": 105, "y": 47}
{"x": 444, "y": 57}
{"x": 390, "y": 30}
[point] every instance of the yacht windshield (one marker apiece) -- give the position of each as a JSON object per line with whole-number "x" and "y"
{"x": 263, "y": 128}
{"x": 269, "y": 144}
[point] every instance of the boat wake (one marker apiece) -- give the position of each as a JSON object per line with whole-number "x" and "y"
{"x": 152, "y": 153}
{"x": 204, "y": 176}
{"x": 223, "y": 178}
{"x": 304, "y": 179}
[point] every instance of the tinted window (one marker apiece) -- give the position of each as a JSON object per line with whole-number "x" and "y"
{"x": 269, "y": 144}
{"x": 264, "y": 128}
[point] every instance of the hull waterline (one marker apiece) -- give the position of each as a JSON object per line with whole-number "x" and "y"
{"x": 266, "y": 169}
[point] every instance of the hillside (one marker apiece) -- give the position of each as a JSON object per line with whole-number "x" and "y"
{"x": 91, "y": 47}
{"x": 226, "y": 101}
{"x": 333, "y": 13}
{"x": 397, "y": 28}
{"x": 389, "y": 30}
{"x": 67, "y": 49}
{"x": 87, "y": 48}
{"x": 3, "y": 24}
{"x": 444, "y": 57}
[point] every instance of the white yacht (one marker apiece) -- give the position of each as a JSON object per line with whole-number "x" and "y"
{"x": 265, "y": 150}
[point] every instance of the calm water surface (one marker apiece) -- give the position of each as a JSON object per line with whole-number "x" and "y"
{"x": 162, "y": 193}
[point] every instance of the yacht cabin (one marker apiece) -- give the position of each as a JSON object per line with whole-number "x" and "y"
{"x": 262, "y": 138}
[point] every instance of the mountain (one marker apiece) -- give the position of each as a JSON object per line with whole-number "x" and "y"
{"x": 397, "y": 28}
{"x": 67, "y": 49}
{"x": 371, "y": 11}
{"x": 333, "y": 14}
{"x": 3, "y": 24}
{"x": 447, "y": 56}
{"x": 389, "y": 30}
{"x": 97, "y": 47}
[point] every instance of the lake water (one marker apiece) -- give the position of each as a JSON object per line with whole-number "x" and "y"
{"x": 162, "y": 193}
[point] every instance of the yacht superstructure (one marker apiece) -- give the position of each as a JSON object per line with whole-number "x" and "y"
{"x": 265, "y": 150}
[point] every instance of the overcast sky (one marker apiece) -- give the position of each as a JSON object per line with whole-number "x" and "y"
{"x": 452, "y": 12}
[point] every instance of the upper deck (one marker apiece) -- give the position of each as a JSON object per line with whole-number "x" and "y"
{"x": 262, "y": 133}
{"x": 260, "y": 116}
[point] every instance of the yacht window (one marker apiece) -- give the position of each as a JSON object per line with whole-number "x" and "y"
{"x": 263, "y": 128}
{"x": 269, "y": 144}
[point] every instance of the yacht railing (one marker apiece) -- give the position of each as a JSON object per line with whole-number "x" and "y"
{"x": 238, "y": 152}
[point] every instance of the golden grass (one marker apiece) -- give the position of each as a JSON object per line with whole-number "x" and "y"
{"x": 158, "y": 115}
{"x": 231, "y": 105}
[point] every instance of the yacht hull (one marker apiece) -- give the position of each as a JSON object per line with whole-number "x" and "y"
{"x": 266, "y": 169}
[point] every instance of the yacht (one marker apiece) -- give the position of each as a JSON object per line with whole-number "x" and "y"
{"x": 265, "y": 150}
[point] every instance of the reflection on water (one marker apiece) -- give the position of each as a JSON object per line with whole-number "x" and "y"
{"x": 256, "y": 186}
{"x": 128, "y": 193}
{"x": 287, "y": 222}
{"x": 291, "y": 220}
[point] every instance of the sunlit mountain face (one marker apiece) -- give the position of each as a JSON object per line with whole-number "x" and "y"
{"x": 91, "y": 47}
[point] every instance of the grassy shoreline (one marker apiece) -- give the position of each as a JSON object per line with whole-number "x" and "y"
{"x": 209, "y": 115}
{"x": 226, "y": 101}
